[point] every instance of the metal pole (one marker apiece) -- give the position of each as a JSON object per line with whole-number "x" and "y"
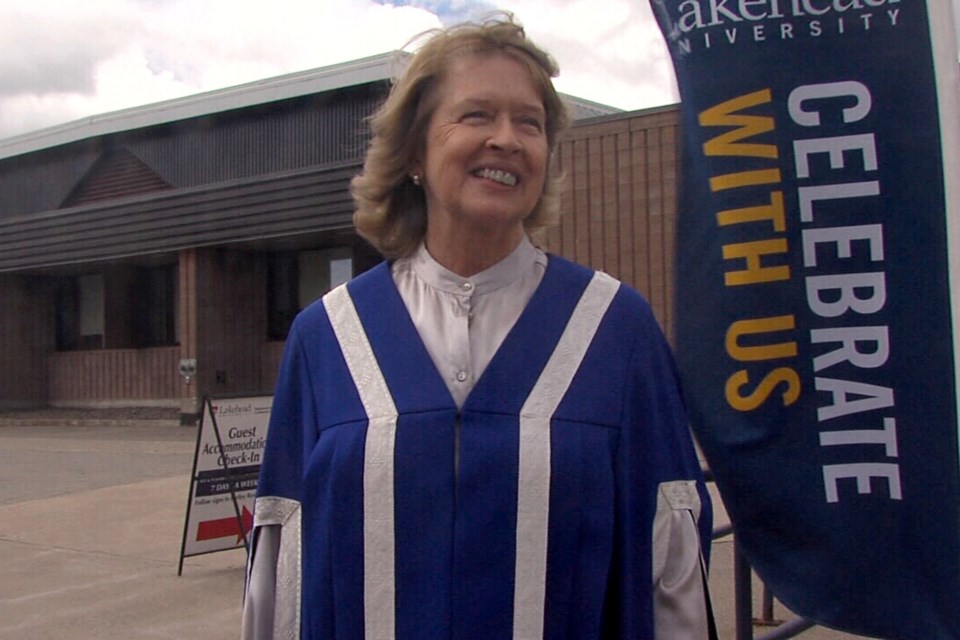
{"x": 743, "y": 594}
{"x": 767, "y": 613}
{"x": 788, "y": 629}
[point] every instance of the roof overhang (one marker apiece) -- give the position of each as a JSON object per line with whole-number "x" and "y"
{"x": 314, "y": 200}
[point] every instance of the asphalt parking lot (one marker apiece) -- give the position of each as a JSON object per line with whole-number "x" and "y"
{"x": 91, "y": 522}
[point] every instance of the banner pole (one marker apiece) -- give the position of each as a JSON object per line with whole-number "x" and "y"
{"x": 944, "y": 36}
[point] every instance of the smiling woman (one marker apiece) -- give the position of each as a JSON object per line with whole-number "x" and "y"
{"x": 476, "y": 439}
{"x": 391, "y": 210}
{"x": 483, "y": 166}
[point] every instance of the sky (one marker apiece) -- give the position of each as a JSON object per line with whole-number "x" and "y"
{"x": 63, "y": 60}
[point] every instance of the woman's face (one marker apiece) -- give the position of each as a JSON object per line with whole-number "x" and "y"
{"x": 485, "y": 154}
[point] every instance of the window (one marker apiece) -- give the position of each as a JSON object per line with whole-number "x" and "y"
{"x": 68, "y": 338}
{"x": 80, "y": 316}
{"x": 142, "y": 304}
{"x": 154, "y": 307}
{"x": 321, "y": 271}
{"x": 91, "y": 307}
{"x": 295, "y": 279}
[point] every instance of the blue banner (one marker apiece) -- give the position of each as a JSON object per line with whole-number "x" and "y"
{"x": 815, "y": 334}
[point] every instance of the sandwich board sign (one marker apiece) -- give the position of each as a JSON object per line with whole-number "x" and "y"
{"x": 226, "y": 465}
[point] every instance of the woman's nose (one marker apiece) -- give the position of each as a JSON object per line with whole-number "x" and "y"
{"x": 504, "y": 136}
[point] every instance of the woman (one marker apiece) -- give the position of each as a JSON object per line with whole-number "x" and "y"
{"x": 475, "y": 439}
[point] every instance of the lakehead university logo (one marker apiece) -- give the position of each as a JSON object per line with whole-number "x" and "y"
{"x": 701, "y": 25}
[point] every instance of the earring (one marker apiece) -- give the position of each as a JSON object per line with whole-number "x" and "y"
{"x": 416, "y": 179}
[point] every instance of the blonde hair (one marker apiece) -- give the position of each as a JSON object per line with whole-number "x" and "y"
{"x": 390, "y": 210}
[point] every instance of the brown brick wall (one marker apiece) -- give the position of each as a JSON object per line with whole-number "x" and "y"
{"x": 619, "y": 203}
{"x": 114, "y": 377}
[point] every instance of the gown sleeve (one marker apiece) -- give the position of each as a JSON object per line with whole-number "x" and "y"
{"x": 271, "y": 604}
{"x": 261, "y": 584}
{"x": 664, "y": 520}
{"x": 680, "y": 600}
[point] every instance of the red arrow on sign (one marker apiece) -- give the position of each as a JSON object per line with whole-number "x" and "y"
{"x": 213, "y": 529}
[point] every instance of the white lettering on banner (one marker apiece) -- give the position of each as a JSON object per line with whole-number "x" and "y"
{"x": 847, "y": 343}
{"x": 886, "y": 436}
{"x": 863, "y": 472}
{"x": 843, "y": 238}
{"x": 847, "y": 90}
{"x": 698, "y": 22}
{"x": 840, "y": 294}
{"x": 810, "y": 195}
{"x": 844, "y": 288}
{"x": 849, "y": 338}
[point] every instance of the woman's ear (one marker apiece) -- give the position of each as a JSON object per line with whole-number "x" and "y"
{"x": 416, "y": 173}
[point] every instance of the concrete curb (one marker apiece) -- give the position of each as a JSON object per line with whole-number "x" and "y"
{"x": 85, "y": 422}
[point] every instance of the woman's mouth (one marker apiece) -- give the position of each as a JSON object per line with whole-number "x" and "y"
{"x": 497, "y": 175}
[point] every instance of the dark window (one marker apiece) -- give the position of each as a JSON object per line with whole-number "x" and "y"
{"x": 295, "y": 279}
{"x": 282, "y": 303}
{"x": 142, "y": 303}
{"x": 154, "y": 307}
{"x": 68, "y": 335}
{"x": 80, "y": 316}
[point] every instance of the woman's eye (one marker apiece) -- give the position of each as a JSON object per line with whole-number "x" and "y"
{"x": 476, "y": 116}
{"x": 532, "y": 123}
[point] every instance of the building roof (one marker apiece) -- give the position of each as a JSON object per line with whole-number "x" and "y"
{"x": 292, "y": 85}
{"x": 377, "y": 68}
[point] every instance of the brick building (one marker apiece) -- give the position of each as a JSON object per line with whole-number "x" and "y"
{"x": 195, "y": 229}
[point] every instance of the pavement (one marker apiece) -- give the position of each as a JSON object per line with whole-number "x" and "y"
{"x": 91, "y": 521}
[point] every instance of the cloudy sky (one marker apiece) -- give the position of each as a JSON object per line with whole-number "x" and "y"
{"x": 62, "y": 60}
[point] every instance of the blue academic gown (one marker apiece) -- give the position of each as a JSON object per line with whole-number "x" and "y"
{"x": 616, "y": 435}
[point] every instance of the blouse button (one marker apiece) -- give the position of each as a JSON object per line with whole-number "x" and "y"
{"x": 461, "y": 376}
{"x": 467, "y": 286}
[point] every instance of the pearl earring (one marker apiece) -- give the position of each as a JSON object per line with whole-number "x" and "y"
{"x": 416, "y": 179}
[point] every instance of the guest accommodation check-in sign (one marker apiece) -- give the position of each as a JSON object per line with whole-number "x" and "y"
{"x": 818, "y": 270}
{"x": 230, "y": 442}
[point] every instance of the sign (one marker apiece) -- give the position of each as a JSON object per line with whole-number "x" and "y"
{"x": 226, "y": 465}
{"x": 817, "y": 333}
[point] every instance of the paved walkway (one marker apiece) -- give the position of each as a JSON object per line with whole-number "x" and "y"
{"x": 91, "y": 521}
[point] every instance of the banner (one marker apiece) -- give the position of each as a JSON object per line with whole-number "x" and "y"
{"x": 816, "y": 246}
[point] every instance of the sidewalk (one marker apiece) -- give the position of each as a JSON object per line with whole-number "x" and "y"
{"x": 91, "y": 521}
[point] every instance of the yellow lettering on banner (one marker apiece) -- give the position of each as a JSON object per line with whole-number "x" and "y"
{"x": 763, "y": 391}
{"x": 745, "y": 179}
{"x": 755, "y": 272}
{"x": 738, "y": 141}
{"x": 773, "y": 212}
{"x": 755, "y": 326}
{"x": 746, "y": 126}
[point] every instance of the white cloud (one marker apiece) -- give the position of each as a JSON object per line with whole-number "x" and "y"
{"x": 615, "y": 56}
{"x": 62, "y": 60}
{"x": 55, "y": 47}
